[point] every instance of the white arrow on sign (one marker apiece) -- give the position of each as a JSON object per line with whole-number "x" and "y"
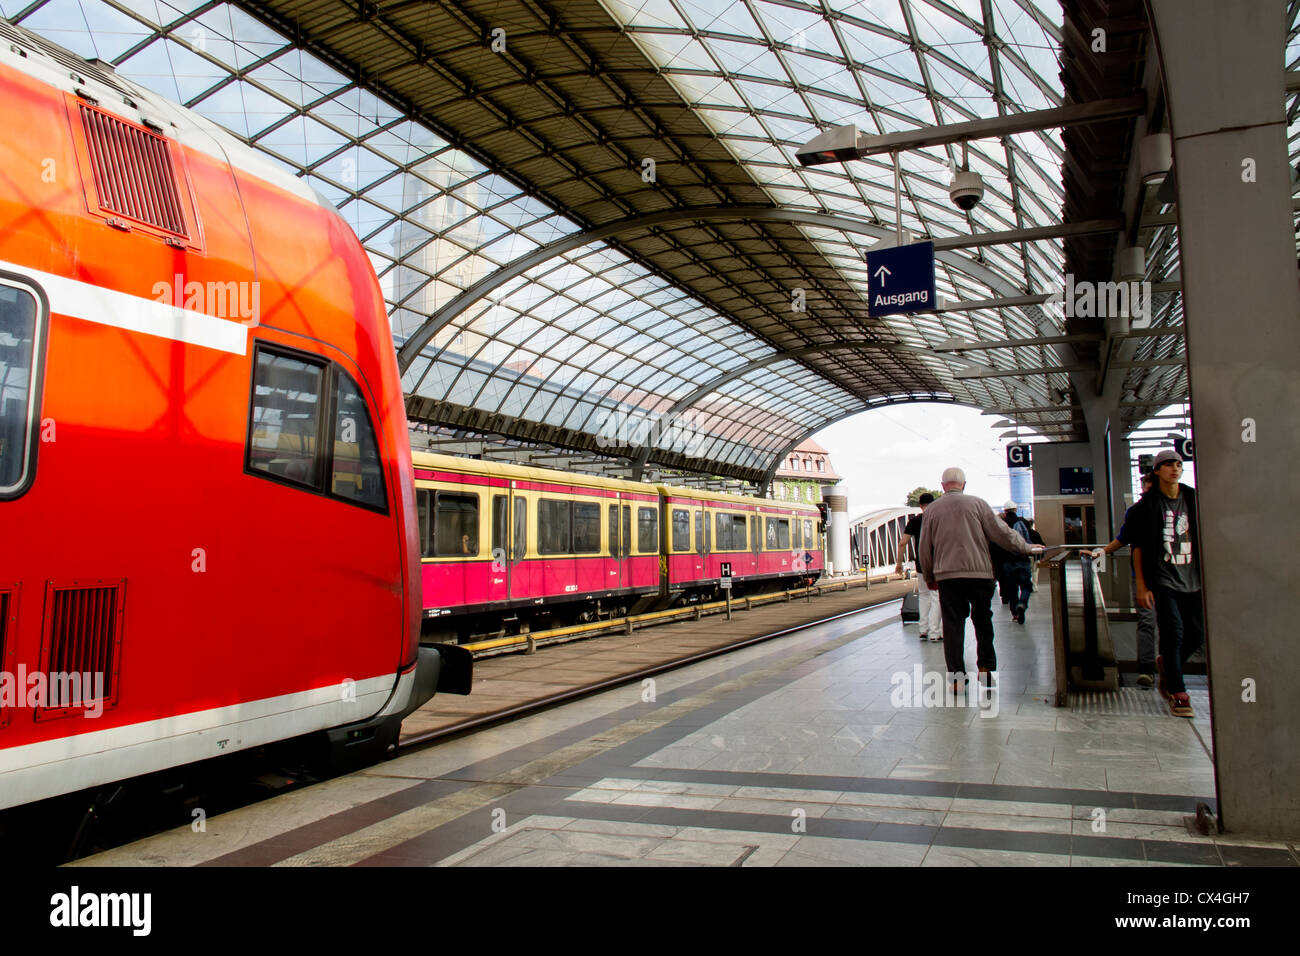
{"x": 879, "y": 276}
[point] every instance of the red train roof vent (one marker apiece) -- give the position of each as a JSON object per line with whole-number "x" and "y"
{"x": 80, "y": 645}
{"x": 133, "y": 171}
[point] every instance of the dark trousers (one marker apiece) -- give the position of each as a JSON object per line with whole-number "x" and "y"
{"x": 1018, "y": 574}
{"x": 1182, "y": 632}
{"x": 960, "y": 598}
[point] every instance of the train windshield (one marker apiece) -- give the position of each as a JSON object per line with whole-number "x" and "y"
{"x": 19, "y": 326}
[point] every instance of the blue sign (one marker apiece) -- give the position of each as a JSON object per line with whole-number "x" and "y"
{"x": 901, "y": 279}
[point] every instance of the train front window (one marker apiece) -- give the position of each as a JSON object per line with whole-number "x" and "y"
{"x": 357, "y": 473}
{"x": 455, "y": 525}
{"x": 286, "y": 418}
{"x": 20, "y": 325}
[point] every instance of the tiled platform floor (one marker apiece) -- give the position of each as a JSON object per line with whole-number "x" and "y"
{"x": 790, "y": 753}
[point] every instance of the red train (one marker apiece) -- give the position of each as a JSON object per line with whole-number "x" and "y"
{"x": 206, "y": 496}
{"x": 504, "y": 544}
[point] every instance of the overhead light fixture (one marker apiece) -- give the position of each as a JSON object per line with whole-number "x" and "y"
{"x": 835, "y": 145}
{"x": 1155, "y": 157}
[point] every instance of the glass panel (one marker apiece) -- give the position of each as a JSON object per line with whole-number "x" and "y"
{"x": 18, "y": 324}
{"x": 809, "y": 542}
{"x": 681, "y": 529}
{"x": 627, "y": 530}
{"x": 286, "y": 418}
{"x": 358, "y": 472}
{"x": 553, "y": 529}
{"x": 455, "y": 524}
{"x": 778, "y": 534}
{"x": 423, "y": 497}
{"x": 521, "y": 529}
{"x": 613, "y": 531}
{"x": 586, "y": 528}
{"x": 796, "y": 541}
{"x": 647, "y": 530}
{"x": 499, "y": 525}
{"x": 699, "y": 531}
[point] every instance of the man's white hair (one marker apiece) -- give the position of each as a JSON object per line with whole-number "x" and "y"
{"x": 954, "y": 476}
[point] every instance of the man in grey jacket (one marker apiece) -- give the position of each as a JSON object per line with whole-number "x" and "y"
{"x": 954, "y": 551}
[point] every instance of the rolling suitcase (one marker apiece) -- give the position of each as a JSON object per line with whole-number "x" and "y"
{"x": 911, "y": 610}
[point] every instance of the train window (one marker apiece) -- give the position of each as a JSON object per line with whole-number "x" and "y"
{"x": 521, "y": 529}
{"x": 423, "y": 497}
{"x": 586, "y": 528}
{"x": 553, "y": 526}
{"x": 796, "y": 541}
{"x": 731, "y": 533}
{"x": 21, "y": 326}
{"x": 613, "y": 531}
{"x": 499, "y": 526}
{"x": 778, "y": 534}
{"x": 627, "y": 530}
{"x": 809, "y": 541}
{"x": 358, "y": 474}
{"x": 647, "y": 530}
{"x": 455, "y": 524}
{"x": 756, "y": 536}
{"x": 699, "y": 532}
{"x": 285, "y": 418}
{"x": 681, "y": 529}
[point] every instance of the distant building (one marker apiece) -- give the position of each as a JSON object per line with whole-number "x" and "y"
{"x": 1022, "y": 490}
{"x": 803, "y": 474}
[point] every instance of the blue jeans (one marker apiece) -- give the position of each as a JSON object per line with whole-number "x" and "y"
{"x": 1182, "y": 631}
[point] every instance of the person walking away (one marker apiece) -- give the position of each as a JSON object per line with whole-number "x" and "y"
{"x": 1034, "y": 538}
{"x": 955, "y": 539}
{"x": 1016, "y": 569}
{"x": 1146, "y": 632}
{"x": 931, "y": 619}
{"x": 1167, "y": 567}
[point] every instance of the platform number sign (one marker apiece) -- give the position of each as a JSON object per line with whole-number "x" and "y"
{"x": 1018, "y": 456}
{"x": 1184, "y": 448}
{"x": 725, "y": 581}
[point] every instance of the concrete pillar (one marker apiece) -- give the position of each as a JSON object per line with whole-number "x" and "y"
{"x": 837, "y": 529}
{"x": 1223, "y": 77}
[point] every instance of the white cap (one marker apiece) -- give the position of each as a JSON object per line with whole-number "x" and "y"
{"x": 1010, "y": 506}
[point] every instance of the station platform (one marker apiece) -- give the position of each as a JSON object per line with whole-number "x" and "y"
{"x": 799, "y": 751}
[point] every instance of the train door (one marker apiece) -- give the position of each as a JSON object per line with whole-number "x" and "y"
{"x": 699, "y": 545}
{"x": 625, "y": 549}
{"x": 518, "y": 550}
{"x": 500, "y": 572}
{"x": 613, "y": 563}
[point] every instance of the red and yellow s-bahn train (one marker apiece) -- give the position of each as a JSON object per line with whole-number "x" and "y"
{"x": 208, "y": 534}
{"x": 504, "y": 544}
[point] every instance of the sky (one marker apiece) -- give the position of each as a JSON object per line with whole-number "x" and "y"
{"x": 885, "y": 453}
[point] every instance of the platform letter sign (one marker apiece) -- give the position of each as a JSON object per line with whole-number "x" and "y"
{"x": 1184, "y": 448}
{"x": 1018, "y": 456}
{"x": 725, "y": 581}
{"x": 901, "y": 279}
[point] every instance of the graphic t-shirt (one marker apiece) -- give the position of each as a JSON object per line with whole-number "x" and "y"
{"x": 913, "y": 527}
{"x": 1177, "y": 566}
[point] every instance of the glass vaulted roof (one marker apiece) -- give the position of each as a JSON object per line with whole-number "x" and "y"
{"x": 634, "y": 325}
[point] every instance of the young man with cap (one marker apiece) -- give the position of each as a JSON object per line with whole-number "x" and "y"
{"x": 954, "y": 552}
{"x": 1167, "y": 566}
{"x": 1146, "y": 636}
{"x": 931, "y": 622}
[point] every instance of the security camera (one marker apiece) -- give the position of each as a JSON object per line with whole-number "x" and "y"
{"x": 966, "y": 191}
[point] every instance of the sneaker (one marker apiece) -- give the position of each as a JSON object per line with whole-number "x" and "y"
{"x": 924, "y": 635}
{"x": 1180, "y": 705}
{"x": 936, "y": 637}
{"x": 1145, "y": 680}
{"x": 1160, "y": 669}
